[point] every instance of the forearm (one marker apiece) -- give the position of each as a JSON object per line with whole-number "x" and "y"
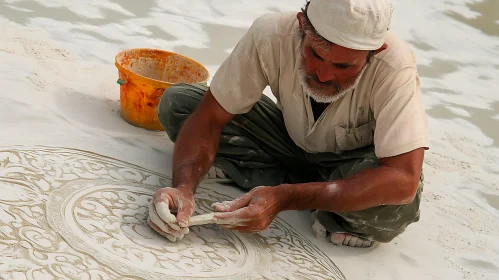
{"x": 197, "y": 143}
{"x": 383, "y": 185}
{"x": 194, "y": 154}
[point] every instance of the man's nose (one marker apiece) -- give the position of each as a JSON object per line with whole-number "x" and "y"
{"x": 325, "y": 72}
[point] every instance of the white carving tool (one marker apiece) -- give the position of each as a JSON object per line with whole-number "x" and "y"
{"x": 202, "y": 219}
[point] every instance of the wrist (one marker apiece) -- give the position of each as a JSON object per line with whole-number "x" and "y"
{"x": 186, "y": 188}
{"x": 286, "y": 196}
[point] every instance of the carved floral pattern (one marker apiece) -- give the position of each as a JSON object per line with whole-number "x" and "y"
{"x": 71, "y": 214}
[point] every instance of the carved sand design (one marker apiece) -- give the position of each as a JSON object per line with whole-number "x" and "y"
{"x": 70, "y": 214}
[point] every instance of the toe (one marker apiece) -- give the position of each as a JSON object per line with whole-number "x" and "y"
{"x": 353, "y": 241}
{"x": 337, "y": 238}
{"x": 359, "y": 242}
{"x": 347, "y": 239}
{"x": 367, "y": 243}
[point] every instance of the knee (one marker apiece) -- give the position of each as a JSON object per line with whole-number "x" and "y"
{"x": 385, "y": 227}
{"x": 167, "y": 109}
{"x": 381, "y": 224}
{"x": 176, "y": 104}
{"x": 383, "y": 231}
{"x": 387, "y": 234}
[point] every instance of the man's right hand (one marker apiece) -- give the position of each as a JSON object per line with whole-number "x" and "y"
{"x": 194, "y": 152}
{"x": 164, "y": 204}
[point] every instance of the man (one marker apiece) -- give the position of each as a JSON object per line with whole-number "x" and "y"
{"x": 346, "y": 139}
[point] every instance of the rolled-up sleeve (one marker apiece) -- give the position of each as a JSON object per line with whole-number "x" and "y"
{"x": 401, "y": 122}
{"x": 239, "y": 82}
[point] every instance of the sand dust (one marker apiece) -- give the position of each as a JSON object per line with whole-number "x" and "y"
{"x": 223, "y": 206}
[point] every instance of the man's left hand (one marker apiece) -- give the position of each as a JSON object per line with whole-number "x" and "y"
{"x": 252, "y": 212}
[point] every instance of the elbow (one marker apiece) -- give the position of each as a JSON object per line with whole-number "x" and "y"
{"x": 409, "y": 188}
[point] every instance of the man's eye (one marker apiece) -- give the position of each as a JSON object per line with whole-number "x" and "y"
{"x": 342, "y": 66}
{"x": 315, "y": 54}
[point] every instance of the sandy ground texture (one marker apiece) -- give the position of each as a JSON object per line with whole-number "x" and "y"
{"x": 58, "y": 89}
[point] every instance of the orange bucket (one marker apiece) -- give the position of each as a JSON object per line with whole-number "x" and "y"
{"x": 144, "y": 74}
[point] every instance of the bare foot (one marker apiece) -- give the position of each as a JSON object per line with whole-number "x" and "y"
{"x": 319, "y": 230}
{"x": 346, "y": 239}
{"x": 340, "y": 238}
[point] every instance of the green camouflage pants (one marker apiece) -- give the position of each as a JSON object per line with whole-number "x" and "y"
{"x": 255, "y": 149}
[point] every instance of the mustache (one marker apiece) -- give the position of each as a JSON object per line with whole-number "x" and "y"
{"x": 329, "y": 84}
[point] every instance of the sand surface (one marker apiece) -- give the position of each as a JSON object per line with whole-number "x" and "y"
{"x": 58, "y": 89}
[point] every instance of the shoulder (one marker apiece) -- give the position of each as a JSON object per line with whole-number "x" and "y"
{"x": 398, "y": 55}
{"x": 274, "y": 26}
{"x": 392, "y": 68}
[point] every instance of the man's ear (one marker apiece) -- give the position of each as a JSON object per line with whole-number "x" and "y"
{"x": 382, "y": 48}
{"x": 299, "y": 16}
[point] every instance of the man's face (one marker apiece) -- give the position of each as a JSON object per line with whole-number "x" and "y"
{"x": 328, "y": 71}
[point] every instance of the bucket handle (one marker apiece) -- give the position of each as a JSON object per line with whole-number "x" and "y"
{"x": 121, "y": 82}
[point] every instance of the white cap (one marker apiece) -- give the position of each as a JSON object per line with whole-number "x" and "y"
{"x": 353, "y": 24}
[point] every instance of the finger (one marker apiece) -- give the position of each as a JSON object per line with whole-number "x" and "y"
{"x": 175, "y": 234}
{"x": 234, "y": 218}
{"x": 229, "y": 206}
{"x": 221, "y": 206}
{"x": 184, "y": 230}
{"x": 158, "y": 230}
{"x": 184, "y": 214}
{"x": 232, "y": 227}
{"x": 162, "y": 196}
{"x": 164, "y": 213}
{"x": 159, "y": 222}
